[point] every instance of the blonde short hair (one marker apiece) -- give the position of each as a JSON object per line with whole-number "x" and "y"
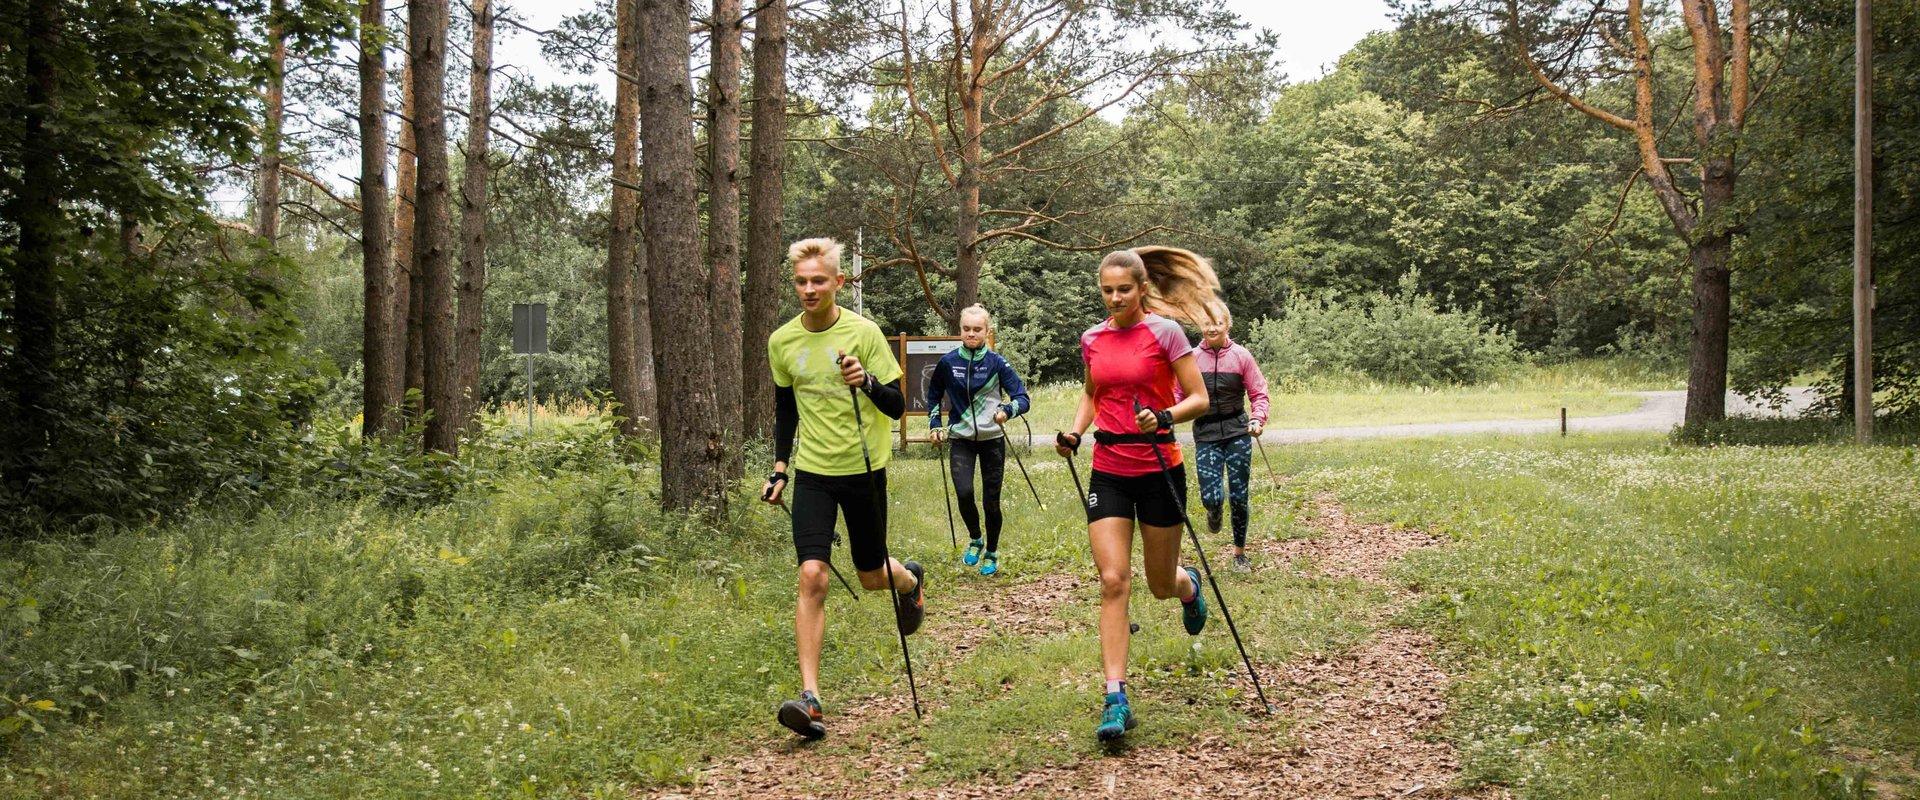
{"x": 823, "y": 248}
{"x": 977, "y": 310}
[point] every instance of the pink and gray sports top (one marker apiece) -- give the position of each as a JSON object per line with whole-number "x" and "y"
{"x": 1232, "y": 378}
{"x": 1131, "y": 364}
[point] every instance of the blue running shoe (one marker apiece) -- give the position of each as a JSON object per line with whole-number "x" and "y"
{"x": 974, "y": 549}
{"x": 1194, "y": 614}
{"x": 1117, "y": 719}
{"x": 991, "y": 564}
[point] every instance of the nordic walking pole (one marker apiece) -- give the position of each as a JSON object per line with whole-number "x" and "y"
{"x": 1166, "y": 472}
{"x": 1023, "y": 465}
{"x": 836, "y": 570}
{"x": 1271, "y": 475}
{"x": 946, "y": 493}
{"x": 853, "y": 394}
{"x": 1060, "y": 439}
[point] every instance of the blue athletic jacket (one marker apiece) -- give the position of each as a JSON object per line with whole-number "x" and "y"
{"x": 974, "y": 379}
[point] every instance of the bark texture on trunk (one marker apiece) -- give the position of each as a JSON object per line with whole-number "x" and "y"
{"x": 410, "y": 293}
{"x": 267, "y": 201}
{"x": 723, "y": 223}
{"x": 36, "y": 213}
{"x": 692, "y": 474}
{"x": 383, "y": 357}
{"x": 765, "y": 209}
{"x": 623, "y": 358}
{"x": 432, "y": 254}
{"x": 473, "y": 213}
{"x": 1712, "y": 315}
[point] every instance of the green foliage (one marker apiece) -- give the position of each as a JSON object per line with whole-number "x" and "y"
{"x": 172, "y": 375}
{"x": 171, "y": 395}
{"x": 1402, "y": 338}
{"x": 1793, "y": 279}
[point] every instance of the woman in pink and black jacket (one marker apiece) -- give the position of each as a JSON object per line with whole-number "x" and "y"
{"x": 1223, "y": 437}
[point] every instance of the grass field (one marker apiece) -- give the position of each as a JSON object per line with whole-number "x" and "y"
{"x": 1623, "y": 617}
{"x": 1638, "y": 620}
{"x": 1585, "y": 389}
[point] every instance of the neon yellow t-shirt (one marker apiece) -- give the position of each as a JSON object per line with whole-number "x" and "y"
{"x": 803, "y": 360}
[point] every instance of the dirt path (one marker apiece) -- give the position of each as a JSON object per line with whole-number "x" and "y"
{"x": 1357, "y": 724}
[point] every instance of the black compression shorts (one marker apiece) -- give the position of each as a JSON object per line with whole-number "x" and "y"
{"x": 1138, "y": 497}
{"x": 817, "y": 499}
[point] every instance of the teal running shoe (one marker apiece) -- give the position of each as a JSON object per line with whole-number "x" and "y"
{"x": 1194, "y": 614}
{"x": 974, "y": 548}
{"x": 991, "y": 564}
{"x": 1117, "y": 719}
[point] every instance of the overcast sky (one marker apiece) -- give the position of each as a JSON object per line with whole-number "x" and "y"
{"x": 1313, "y": 36}
{"x": 1313, "y": 33}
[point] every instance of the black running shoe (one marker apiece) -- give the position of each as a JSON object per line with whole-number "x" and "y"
{"x": 1213, "y": 519}
{"x": 911, "y": 608}
{"x": 804, "y": 717}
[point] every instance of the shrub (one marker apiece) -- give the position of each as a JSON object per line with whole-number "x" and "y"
{"x": 1403, "y": 338}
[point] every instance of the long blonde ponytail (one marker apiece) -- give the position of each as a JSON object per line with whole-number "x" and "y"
{"x": 1178, "y": 283}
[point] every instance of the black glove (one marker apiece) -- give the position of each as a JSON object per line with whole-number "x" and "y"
{"x": 774, "y": 479}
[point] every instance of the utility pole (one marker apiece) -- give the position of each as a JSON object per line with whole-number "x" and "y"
{"x": 1863, "y": 222}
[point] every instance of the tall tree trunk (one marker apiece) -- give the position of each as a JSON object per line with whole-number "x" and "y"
{"x": 1711, "y": 255}
{"x": 473, "y": 211}
{"x": 432, "y": 256}
{"x": 1712, "y": 311}
{"x": 765, "y": 208}
{"x": 723, "y": 223}
{"x": 383, "y": 357}
{"x": 411, "y": 294}
{"x": 692, "y": 474}
{"x": 966, "y": 267}
{"x": 37, "y": 217}
{"x": 623, "y": 361}
{"x": 267, "y": 202}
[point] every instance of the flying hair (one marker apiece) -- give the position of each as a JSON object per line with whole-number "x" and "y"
{"x": 823, "y": 248}
{"x": 1179, "y": 283}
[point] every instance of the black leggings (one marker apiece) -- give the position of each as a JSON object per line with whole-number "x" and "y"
{"x": 993, "y": 467}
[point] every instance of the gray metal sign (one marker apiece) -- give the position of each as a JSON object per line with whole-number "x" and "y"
{"x": 529, "y": 328}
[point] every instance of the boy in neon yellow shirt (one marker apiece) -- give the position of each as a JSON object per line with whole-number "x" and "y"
{"x": 814, "y": 358}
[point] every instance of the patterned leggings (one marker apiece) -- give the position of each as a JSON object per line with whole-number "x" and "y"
{"x": 1223, "y": 476}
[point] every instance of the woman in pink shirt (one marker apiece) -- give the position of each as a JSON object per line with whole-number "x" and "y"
{"x": 1136, "y": 359}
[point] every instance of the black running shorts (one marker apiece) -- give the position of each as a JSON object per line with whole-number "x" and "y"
{"x": 817, "y": 499}
{"x": 1145, "y": 498}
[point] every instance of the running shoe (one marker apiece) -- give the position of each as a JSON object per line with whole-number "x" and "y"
{"x": 1117, "y": 719}
{"x": 1213, "y": 519}
{"x": 991, "y": 564}
{"x": 911, "y": 606}
{"x": 1242, "y": 564}
{"x": 804, "y": 717}
{"x": 974, "y": 549}
{"x": 1194, "y": 614}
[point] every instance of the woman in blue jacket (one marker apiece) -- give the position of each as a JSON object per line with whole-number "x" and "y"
{"x": 971, "y": 378}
